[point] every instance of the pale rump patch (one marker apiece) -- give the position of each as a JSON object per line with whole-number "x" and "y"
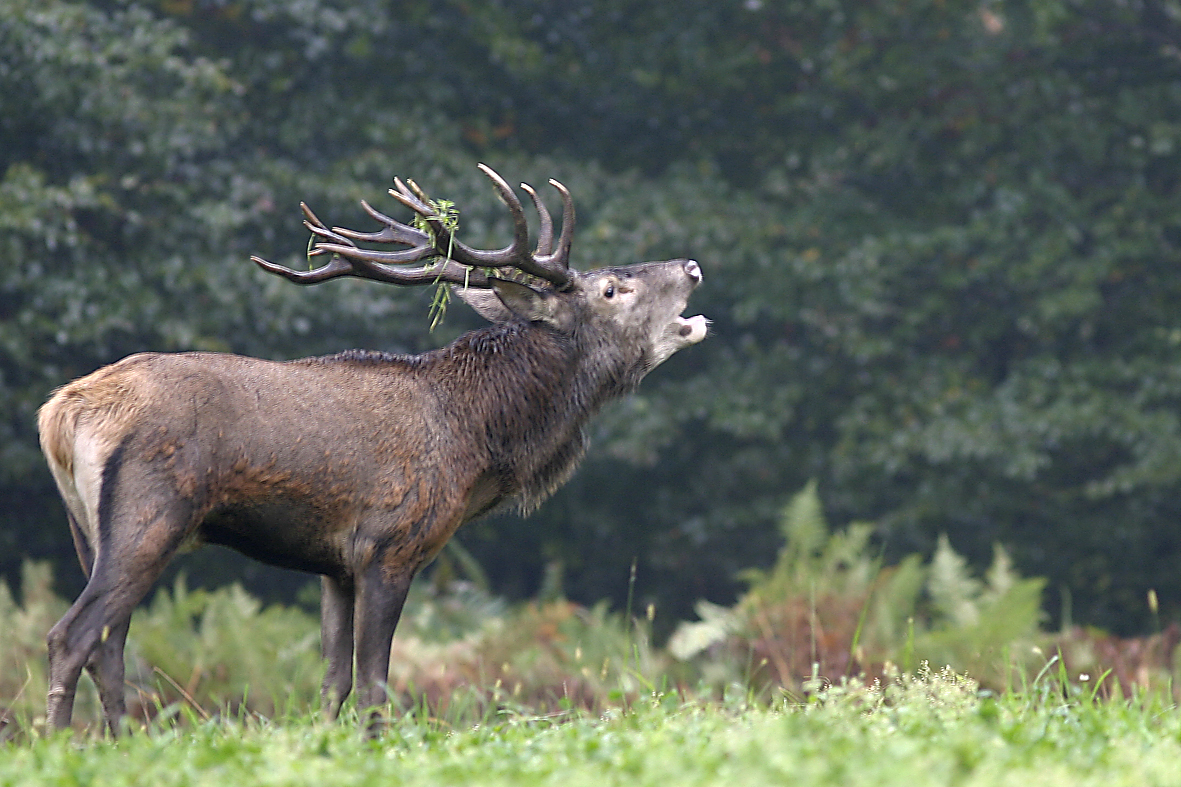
{"x": 80, "y": 427}
{"x": 90, "y": 457}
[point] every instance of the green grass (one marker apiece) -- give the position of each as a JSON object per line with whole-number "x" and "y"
{"x": 925, "y": 729}
{"x": 222, "y": 690}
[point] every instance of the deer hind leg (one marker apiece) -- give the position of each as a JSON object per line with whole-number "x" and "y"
{"x": 91, "y": 635}
{"x": 106, "y": 669}
{"x": 71, "y": 642}
{"x": 93, "y": 631}
{"x": 336, "y": 642}
{"x": 135, "y": 535}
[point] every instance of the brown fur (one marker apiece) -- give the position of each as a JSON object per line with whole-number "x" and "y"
{"x": 358, "y": 467}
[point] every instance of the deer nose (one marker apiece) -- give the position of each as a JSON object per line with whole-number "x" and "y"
{"x": 693, "y": 270}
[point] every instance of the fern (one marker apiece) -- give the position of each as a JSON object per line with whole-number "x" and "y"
{"x": 953, "y": 591}
{"x": 828, "y": 603}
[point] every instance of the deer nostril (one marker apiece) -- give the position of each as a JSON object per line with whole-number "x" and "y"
{"x": 693, "y": 269}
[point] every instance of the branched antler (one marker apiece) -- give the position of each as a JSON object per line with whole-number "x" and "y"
{"x": 453, "y": 260}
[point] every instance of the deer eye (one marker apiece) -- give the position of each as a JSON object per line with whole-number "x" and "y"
{"x": 609, "y": 292}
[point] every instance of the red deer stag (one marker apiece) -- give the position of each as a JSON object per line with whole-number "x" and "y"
{"x": 357, "y": 466}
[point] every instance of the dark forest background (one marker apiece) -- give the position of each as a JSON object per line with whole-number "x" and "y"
{"x": 941, "y": 243}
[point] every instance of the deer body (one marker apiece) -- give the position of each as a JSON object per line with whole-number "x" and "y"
{"x": 358, "y": 466}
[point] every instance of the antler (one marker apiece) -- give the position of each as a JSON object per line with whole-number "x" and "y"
{"x": 456, "y": 262}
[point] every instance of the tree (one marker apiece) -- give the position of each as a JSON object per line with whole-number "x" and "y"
{"x": 945, "y": 264}
{"x": 939, "y": 241}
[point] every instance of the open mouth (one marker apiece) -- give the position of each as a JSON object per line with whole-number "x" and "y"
{"x": 691, "y": 329}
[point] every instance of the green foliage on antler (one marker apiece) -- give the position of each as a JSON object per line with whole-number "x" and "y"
{"x": 445, "y": 212}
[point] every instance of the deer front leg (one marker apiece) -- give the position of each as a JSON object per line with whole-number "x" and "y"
{"x": 336, "y": 643}
{"x": 380, "y": 597}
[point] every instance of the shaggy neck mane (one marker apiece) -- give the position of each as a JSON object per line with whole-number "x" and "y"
{"x": 523, "y": 390}
{"x": 527, "y": 388}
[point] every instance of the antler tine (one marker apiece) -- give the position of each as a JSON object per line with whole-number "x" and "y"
{"x": 414, "y": 188}
{"x": 566, "y": 239}
{"x": 551, "y": 268}
{"x": 313, "y": 223}
{"x": 393, "y": 232}
{"x": 324, "y": 232}
{"x": 310, "y": 218}
{"x": 516, "y": 252}
{"x": 415, "y": 200}
{"x": 413, "y": 197}
{"x": 335, "y": 267}
{"x": 545, "y": 238}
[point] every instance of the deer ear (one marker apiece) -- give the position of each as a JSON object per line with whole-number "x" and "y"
{"x": 508, "y": 300}
{"x": 524, "y": 302}
{"x": 485, "y": 302}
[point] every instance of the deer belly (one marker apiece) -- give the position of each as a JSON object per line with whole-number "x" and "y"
{"x": 280, "y": 532}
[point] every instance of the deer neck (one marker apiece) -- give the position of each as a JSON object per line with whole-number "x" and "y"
{"x": 523, "y": 390}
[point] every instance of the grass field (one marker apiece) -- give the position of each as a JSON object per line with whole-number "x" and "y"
{"x": 929, "y": 729}
{"x": 222, "y": 690}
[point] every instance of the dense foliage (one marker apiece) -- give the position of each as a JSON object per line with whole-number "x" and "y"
{"x": 912, "y": 728}
{"x": 940, "y": 242}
